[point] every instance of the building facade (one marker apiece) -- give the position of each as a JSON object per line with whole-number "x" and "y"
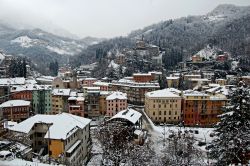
{"x": 42, "y": 100}
{"x": 70, "y": 146}
{"x": 16, "y": 110}
{"x": 116, "y": 102}
{"x": 163, "y": 106}
{"x": 135, "y": 91}
{"x": 59, "y": 100}
{"x": 200, "y": 109}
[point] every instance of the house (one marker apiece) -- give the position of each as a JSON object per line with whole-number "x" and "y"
{"x": 222, "y": 58}
{"x": 63, "y": 137}
{"x": 116, "y": 102}
{"x": 16, "y": 110}
{"x": 163, "y": 106}
{"x": 70, "y": 83}
{"x": 221, "y": 81}
{"x": 196, "y": 58}
{"x": 246, "y": 79}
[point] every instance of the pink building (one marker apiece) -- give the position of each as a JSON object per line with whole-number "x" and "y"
{"x": 104, "y": 86}
{"x": 116, "y": 102}
{"x": 88, "y": 82}
{"x": 76, "y": 106}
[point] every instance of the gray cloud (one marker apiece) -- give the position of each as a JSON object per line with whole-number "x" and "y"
{"x": 101, "y": 18}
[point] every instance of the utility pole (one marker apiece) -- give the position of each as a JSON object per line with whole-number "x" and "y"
{"x": 164, "y": 134}
{"x": 11, "y": 112}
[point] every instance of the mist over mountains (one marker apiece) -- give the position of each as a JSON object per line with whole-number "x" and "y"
{"x": 226, "y": 27}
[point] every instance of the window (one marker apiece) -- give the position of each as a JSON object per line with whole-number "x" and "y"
{"x": 159, "y": 112}
{"x": 169, "y": 112}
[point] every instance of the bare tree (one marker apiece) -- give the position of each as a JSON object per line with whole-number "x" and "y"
{"x": 180, "y": 150}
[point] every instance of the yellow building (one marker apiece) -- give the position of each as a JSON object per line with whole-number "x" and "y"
{"x": 173, "y": 82}
{"x": 221, "y": 81}
{"x": 64, "y": 137}
{"x": 59, "y": 100}
{"x": 163, "y": 106}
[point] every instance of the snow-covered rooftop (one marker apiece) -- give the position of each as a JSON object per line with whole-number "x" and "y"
{"x": 29, "y": 87}
{"x": 90, "y": 79}
{"x": 15, "y": 103}
{"x": 12, "y": 81}
{"x": 194, "y": 93}
{"x": 99, "y": 83}
{"x": 61, "y": 92}
{"x": 117, "y": 95}
{"x": 172, "y": 78}
{"x": 162, "y": 93}
{"x": 128, "y": 114}
{"x": 62, "y": 125}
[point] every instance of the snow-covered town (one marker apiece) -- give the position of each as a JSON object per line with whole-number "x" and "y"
{"x": 175, "y": 93}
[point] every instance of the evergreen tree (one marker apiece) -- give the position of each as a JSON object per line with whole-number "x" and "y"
{"x": 233, "y": 132}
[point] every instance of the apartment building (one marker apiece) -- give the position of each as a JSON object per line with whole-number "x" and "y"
{"x": 163, "y": 106}
{"x": 76, "y": 105}
{"x": 42, "y": 99}
{"x": 103, "y": 102}
{"x": 173, "y": 82}
{"x": 60, "y": 100}
{"x": 104, "y": 86}
{"x": 16, "y": 110}
{"x": 200, "y": 109}
{"x": 135, "y": 91}
{"x": 116, "y": 102}
{"x": 63, "y": 137}
{"x": 92, "y": 96}
{"x": 22, "y": 92}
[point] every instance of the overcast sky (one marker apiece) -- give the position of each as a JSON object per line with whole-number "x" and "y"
{"x": 102, "y": 18}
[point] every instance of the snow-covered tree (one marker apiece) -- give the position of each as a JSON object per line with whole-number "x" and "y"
{"x": 232, "y": 142}
{"x": 116, "y": 139}
{"x": 180, "y": 150}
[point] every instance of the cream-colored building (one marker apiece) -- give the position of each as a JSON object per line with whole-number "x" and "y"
{"x": 163, "y": 106}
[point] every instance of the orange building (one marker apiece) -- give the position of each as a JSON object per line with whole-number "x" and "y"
{"x": 88, "y": 82}
{"x": 143, "y": 77}
{"x": 22, "y": 92}
{"x": 200, "y": 109}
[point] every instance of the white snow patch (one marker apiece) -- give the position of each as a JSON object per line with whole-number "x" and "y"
{"x": 208, "y": 52}
{"x": 215, "y": 18}
{"x": 24, "y": 41}
{"x": 113, "y": 64}
{"x": 59, "y": 51}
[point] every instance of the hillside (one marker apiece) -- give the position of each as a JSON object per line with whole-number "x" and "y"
{"x": 39, "y": 46}
{"x": 226, "y": 27}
